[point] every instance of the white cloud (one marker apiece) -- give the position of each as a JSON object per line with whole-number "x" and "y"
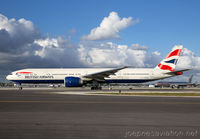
{"x": 59, "y": 51}
{"x": 21, "y": 46}
{"x": 114, "y": 55}
{"x": 138, "y": 47}
{"x": 16, "y": 35}
{"x": 17, "y": 27}
{"x": 110, "y": 27}
{"x": 188, "y": 59}
{"x": 47, "y": 42}
{"x": 156, "y": 53}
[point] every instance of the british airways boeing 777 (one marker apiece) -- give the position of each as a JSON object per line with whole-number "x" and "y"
{"x": 76, "y": 77}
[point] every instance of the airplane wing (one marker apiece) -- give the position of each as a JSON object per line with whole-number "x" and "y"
{"x": 100, "y": 76}
{"x": 177, "y": 72}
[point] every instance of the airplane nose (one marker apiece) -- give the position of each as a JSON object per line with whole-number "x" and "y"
{"x": 8, "y": 77}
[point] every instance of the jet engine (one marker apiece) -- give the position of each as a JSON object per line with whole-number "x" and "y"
{"x": 73, "y": 82}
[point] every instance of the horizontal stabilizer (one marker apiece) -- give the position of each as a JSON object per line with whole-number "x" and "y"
{"x": 177, "y": 72}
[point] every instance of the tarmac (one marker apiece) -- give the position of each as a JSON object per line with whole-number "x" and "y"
{"x": 58, "y": 113}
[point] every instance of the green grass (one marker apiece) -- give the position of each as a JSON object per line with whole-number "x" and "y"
{"x": 152, "y": 94}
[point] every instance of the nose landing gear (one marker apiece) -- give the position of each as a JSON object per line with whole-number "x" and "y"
{"x": 20, "y": 87}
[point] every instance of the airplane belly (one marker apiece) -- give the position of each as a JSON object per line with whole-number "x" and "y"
{"x": 38, "y": 81}
{"x": 128, "y": 79}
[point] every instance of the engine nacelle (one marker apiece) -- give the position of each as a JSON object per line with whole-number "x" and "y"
{"x": 73, "y": 82}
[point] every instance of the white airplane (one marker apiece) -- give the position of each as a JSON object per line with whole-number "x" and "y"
{"x": 76, "y": 77}
{"x": 177, "y": 84}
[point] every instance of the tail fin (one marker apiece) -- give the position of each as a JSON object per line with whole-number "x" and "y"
{"x": 190, "y": 79}
{"x": 169, "y": 63}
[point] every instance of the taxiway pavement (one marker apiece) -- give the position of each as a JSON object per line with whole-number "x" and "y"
{"x": 39, "y": 114}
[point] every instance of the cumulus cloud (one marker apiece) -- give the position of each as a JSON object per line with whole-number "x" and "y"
{"x": 138, "y": 47}
{"x": 22, "y": 46}
{"x": 189, "y": 60}
{"x": 16, "y": 35}
{"x": 106, "y": 54}
{"x": 59, "y": 51}
{"x": 110, "y": 27}
{"x": 45, "y": 44}
{"x": 109, "y": 54}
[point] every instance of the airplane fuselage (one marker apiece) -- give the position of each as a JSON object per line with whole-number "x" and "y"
{"x": 51, "y": 75}
{"x": 75, "y": 77}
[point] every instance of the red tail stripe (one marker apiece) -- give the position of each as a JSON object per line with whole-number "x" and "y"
{"x": 165, "y": 67}
{"x": 174, "y": 53}
{"x": 23, "y": 72}
{"x": 179, "y": 73}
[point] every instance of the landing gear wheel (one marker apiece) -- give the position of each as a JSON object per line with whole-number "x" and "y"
{"x": 96, "y": 88}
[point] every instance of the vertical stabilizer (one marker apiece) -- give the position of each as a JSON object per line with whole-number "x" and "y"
{"x": 190, "y": 79}
{"x": 169, "y": 62}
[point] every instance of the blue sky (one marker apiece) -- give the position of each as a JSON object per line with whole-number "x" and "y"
{"x": 162, "y": 23}
{"x": 137, "y": 32}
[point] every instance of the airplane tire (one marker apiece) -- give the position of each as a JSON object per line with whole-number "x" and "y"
{"x": 96, "y": 88}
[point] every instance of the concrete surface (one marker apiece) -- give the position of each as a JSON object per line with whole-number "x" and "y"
{"x": 41, "y": 114}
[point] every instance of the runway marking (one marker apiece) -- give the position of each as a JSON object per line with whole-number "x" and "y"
{"x": 94, "y": 102}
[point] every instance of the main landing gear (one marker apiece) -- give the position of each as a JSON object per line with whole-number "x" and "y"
{"x": 96, "y": 86}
